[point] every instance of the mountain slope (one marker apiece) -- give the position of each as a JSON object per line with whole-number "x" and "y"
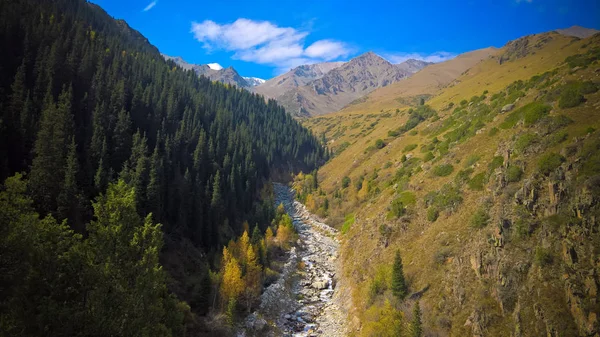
{"x": 578, "y": 31}
{"x": 123, "y": 177}
{"x": 344, "y": 84}
{"x": 486, "y": 192}
{"x": 215, "y": 72}
{"x": 294, "y": 78}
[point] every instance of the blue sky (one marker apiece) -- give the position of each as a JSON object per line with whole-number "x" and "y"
{"x": 265, "y": 38}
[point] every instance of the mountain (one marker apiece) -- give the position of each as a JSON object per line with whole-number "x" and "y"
{"x": 294, "y": 78}
{"x": 424, "y": 83}
{"x": 343, "y": 84}
{"x": 578, "y": 31}
{"x": 254, "y": 81}
{"x": 216, "y": 72}
{"x": 486, "y": 189}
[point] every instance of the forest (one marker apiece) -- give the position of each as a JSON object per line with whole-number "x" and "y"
{"x": 115, "y": 162}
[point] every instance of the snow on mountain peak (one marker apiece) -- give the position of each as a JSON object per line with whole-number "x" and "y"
{"x": 214, "y": 66}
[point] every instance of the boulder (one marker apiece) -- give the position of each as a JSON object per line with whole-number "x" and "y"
{"x": 319, "y": 285}
{"x": 507, "y": 108}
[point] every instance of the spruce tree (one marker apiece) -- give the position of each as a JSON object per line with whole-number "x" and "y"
{"x": 399, "y": 288}
{"x": 416, "y": 325}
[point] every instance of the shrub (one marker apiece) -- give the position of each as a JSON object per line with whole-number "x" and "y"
{"x": 346, "y": 181}
{"x": 396, "y": 209}
{"x": 478, "y": 181}
{"x": 432, "y": 214}
{"x": 379, "y": 144}
{"x": 558, "y": 137}
{"x": 588, "y": 87}
{"x": 496, "y": 162}
{"x": 442, "y": 255}
{"x": 463, "y": 176}
{"x": 428, "y": 156}
{"x": 393, "y": 133}
{"x": 543, "y": 257}
{"x": 570, "y": 97}
{"x": 413, "y": 133}
{"x": 480, "y": 219}
{"x": 550, "y": 162}
{"x": 493, "y": 132}
{"x": 449, "y": 197}
{"x": 387, "y": 165}
{"x": 534, "y": 113}
{"x": 463, "y": 102}
{"x": 348, "y": 222}
{"x": 513, "y": 174}
{"x": 525, "y": 141}
{"x": 409, "y": 147}
{"x": 443, "y": 170}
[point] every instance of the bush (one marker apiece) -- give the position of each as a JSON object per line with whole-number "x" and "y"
{"x": 463, "y": 102}
{"x": 463, "y": 176}
{"x": 493, "y": 131}
{"x": 409, "y": 147}
{"x": 513, "y": 174}
{"x": 428, "y": 156}
{"x": 379, "y": 144}
{"x": 525, "y": 141}
{"x": 480, "y": 219}
{"x": 449, "y": 197}
{"x": 396, "y": 209}
{"x": 432, "y": 214}
{"x": 543, "y": 257}
{"x": 496, "y": 162}
{"x": 346, "y": 181}
{"x": 550, "y": 162}
{"x": 442, "y": 255}
{"x": 393, "y": 133}
{"x": 443, "y": 170}
{"x": 531, "y": 112}
{"x": 570, "y": 97}
{"x": 478, "y": 181}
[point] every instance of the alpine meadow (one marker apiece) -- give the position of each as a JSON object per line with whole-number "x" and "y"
{"x": 366, "y": 177}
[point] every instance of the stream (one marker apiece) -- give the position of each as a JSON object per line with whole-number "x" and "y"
{"x": 304, "y": 301}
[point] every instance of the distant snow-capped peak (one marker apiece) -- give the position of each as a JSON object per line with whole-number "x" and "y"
{"x": 214, "y": 66}
{"x": 254, "y": 81}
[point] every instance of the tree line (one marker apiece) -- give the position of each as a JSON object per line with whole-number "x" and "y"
{"x": 91, "y": 115}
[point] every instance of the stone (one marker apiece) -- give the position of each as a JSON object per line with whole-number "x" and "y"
{"x": 507, "y": 108}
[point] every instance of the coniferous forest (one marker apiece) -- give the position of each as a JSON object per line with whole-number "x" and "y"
{"x": 115, "y": 163}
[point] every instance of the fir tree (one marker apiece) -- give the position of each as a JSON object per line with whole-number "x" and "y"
{"x": 399, "y": 288}
{"x": 416, "y": 325}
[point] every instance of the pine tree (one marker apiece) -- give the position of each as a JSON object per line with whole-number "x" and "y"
{"x": 399, "y": 288}
{"x": 416, "y": 325}
{"x": 69, "y": 197}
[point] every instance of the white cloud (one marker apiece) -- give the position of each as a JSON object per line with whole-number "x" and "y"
{"x": 436, "y": 57}
{"x": 150, "y": 6}
{"x": 266, "y": 43}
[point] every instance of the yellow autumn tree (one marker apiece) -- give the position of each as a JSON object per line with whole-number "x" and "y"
{"x": 232, "y": 284}
{"x": 311, "y": 203}
{"x": 243, "y": 244}
{"x": 364, "y": 191}
{"x": 383, "y": 321}
{"x": 252, "y": 278}
{"x": 269, "y": 237}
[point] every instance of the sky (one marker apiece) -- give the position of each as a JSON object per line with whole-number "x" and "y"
{"x": 266, "y": 38}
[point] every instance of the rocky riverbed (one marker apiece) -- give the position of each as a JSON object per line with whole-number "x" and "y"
{"x": 304, "y": 301}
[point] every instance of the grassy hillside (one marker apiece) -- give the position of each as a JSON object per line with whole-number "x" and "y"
{"x": 494, "y": 212}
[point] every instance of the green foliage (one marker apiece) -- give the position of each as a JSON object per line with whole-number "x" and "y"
{"x": 428, "y": 156}
{"x": 480, "y": 218}
{"x": 379, "y": 144}
{"x": 463, "y": 176}
{"x": 443, "y": 170}
{"x": 449, "y": 197}
{"x": 463, "y": 102}
{"x": 531, "y": 112}
{"x": 493, "y": 131}
{"x": 396, "y": 209}
{"x": 525, "y": 141}
{"x": 513, "y": 174}
{"x": 348, "y": 222}
{"x": 432, "y": 214}
{"x": 399, "y": 287}
{"x": 583, "y": 60}
{"x": 379, "y": 283}
{"x": 416, "y": 326}
{"x": 409, "y": 147}
{"x": 570, "y": 97}
{"x": 496, "y": 162}
{"x": 478, "y": 181}
{"x": 442, "y": 255}
{"x": 543, "y": 257}
{"x": 346, "y": 181}
{"x": 550, "y": 162}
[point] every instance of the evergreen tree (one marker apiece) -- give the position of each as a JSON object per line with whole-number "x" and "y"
{"x": 416, "y": 325}
{"x": 69, "y": 198}
{"x": 399, "y": 288}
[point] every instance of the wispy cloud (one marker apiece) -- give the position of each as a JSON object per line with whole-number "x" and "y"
{"x": 266, "y": 43}
{"x": 150, "y": 6}
{"x": 527, "y": 1}
{"x": 436, "y": 57}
